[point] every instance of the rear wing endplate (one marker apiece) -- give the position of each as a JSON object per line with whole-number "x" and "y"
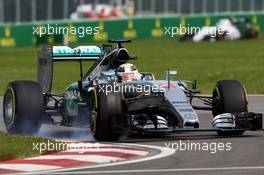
{"x": 50, "y": 54}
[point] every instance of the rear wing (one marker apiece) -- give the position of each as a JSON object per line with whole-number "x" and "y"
{"x": 85, "y": 53}
{"x": 50, "y": 54}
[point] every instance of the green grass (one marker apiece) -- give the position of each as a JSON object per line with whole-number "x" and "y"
{"x": 14, "y": 146}
{"x": 206, "y": 62}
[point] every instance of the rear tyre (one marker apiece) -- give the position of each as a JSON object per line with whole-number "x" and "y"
{"x": 23, "y": 107}
{"x": 229, "y": 96}
{"x": 109, "y": 119}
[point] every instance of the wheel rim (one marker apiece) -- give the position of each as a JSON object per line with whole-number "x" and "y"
{"x": 9, "y": 108}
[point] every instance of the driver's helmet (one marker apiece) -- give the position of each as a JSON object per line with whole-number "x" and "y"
{"x": 128, "y": 72}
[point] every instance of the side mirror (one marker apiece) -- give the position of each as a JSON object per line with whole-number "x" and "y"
{"x": 170, "y": 74}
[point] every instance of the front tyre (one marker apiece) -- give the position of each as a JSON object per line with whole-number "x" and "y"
{"x": 23, "y": 107}
{"x": 108, "y": 117}
{"x": 229, "y": 96}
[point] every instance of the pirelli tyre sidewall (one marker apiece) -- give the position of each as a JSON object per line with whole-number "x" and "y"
{"x": 232, "y": 98}
{"x": 23, "y": 107}
{"x": 109, "y": 117}
{"x": 92, "y": 103}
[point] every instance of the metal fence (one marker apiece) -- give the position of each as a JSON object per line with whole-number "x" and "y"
{"x": 186, "y": 7}
{"x": 35, "y": 10}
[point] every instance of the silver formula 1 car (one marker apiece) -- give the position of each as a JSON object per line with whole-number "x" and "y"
{"x": 111, "y": 104}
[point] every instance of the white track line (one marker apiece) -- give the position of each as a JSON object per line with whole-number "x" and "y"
{"x": 164, "y": 152}
{"x": 26, "y": 167}
{"x": 87, "y": 158}
{"x": 118, "y": 150}
{"x": 253, "y": 95}
{"x": 256, "y": 95}
{"x": 165, "y": 170}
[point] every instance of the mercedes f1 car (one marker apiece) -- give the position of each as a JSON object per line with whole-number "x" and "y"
{"x": 111, "y": 106}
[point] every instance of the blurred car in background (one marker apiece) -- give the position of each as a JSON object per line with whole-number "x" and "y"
{"x": 101, "y": 11}
{"x": 225, "y": 29}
